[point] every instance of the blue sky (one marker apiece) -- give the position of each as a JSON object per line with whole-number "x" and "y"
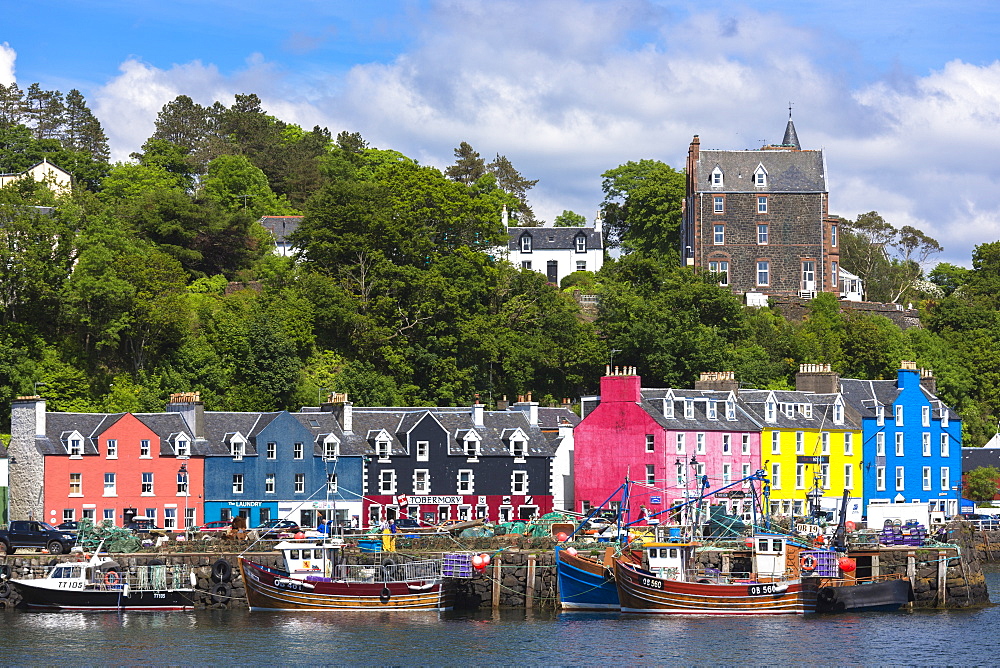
{"x": 903, "y": 97}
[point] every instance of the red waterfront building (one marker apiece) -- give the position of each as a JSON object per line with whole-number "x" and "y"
{"x": 101, "y": 466}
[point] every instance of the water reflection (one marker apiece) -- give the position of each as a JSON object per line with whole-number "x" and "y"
{"x": 505, "y": 637}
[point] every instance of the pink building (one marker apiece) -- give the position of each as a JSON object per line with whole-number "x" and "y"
{"x": 667, "y": 441}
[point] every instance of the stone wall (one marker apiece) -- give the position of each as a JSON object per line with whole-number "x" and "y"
{"x": 27, "y": 465}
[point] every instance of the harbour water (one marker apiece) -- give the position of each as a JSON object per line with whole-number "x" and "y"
{"x": 235, "y": 637}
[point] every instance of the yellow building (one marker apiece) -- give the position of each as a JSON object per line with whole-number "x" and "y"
{"x": 810, "y": 450}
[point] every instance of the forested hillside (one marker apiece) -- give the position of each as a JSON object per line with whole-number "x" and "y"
{"x": 154, "y": 277}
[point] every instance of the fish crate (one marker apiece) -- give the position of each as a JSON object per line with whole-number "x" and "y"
{"x": 370, "y": 545}
{"x": 826, "y": 563}
{"x": 457, "y": 565}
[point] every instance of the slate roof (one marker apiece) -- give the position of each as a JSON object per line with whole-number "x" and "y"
{"x": 788, "y": 170}
{"x": 281, "y": 227}
{"x": 166, "y": 425}
{"x": 219, "y": 424}
{"x": 821, "y": 407}
{"x": 652, "y": 403}
{"x": 973, "y": 458}
{"x": 865, "y": 395}
{"x": 550, "y": 418}
{"x": 553, "y": 238}
{"x": 59, "y": 425}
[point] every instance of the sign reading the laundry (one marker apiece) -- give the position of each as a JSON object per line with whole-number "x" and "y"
{"x": 441, "y": 500}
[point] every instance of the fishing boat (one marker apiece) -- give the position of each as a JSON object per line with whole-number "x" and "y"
{"x": 586, "y": 583}
{"x": 315, "y": 577}
{"x": 670, "y": 585}
{"x": 100, "y": 584}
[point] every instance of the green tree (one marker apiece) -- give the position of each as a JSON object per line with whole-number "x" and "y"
{"x": 569, "y": 219}
{"x": 82, "y": 131}
{"x": 948, "y": 277}
{"x": 510, "y": 181}
{"x": 981, "y": 484}
{"x": 642, "y": 208}
{"x": 469, "y": 167}
{"x": 234, "y": 182}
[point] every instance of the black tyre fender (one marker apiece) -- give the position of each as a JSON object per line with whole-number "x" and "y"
{"x": 6, "y": 604}
{"x": 5, "y": 590}
{"x": 4, "y": 572}
{"x": 110, "y": 566}
{"x": 156, "y": 562}
{"x": 53, "y": 562}
{"x": 55, "y": 547}
{"x": 385, "y": 596}
{"x": 222, "y": 571}
{"x": 221, "y": 592}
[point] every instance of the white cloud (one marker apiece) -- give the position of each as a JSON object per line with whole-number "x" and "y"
{"x": 570, "y": 89}
{"x": 7, "y": 58}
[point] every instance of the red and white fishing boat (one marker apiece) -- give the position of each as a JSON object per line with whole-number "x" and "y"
{"x": 671, "y": 585}
{"x": 315, "y": 577}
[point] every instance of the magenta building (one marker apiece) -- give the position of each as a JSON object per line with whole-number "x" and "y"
{"x": 666, "y": 441}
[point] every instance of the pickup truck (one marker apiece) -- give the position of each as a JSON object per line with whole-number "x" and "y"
{"x": 29, "y": 533}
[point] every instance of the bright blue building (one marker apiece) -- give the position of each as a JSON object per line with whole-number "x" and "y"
{"x": 912, "y": 441}
{"x": 267, "y": 466}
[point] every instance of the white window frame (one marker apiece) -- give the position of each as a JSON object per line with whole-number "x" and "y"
{"x": 770, "y": 411}
{"x": 182, "y": 446}
{"x": 825, "y": 443}
{"x": 699, "y": 443}
{"x": 775, "y": 443}
{"x": 833, "y": 236}
{"x": 144, "y": 449}
{"x": 331, "y": 448}
{"x": 848, "y": 476}
{"x": 900, "y": 478}
{"x": 945, "y": 478}
{"x": 727, "y": 474}
{"x": 147, "y": 488}
{"x": 717, "y": 177}
{"x": 387, "y": 481}
{"x": 763, "y": 234}
{"x": 650, "y": 474}
{"x": 719, "y": 234}
{"x": 945, "y": 444}
{"x": 880, "y": 415}
{"x": 237, "y": 483}
{"x": 423, "y": 451}
{"x": 421, "y": 482}
{"x": 332, "y": 484}
{"x": 237, "y": 450}
{"x": 727, "y": 444}
{"x": 110, "y": 484}
{"x": 763, "y": 272}
{"x": 112, "y": 448}
{"x": 899, "y": 415}
{"x": 300, "y": 483}
{"x": 473, "y": 455}
{"x": 880, "y": 478}
{"x": 298, "y": 451}
{"x": 519, "y": 450}
{"x": 465, "y": 486}
{"x": 800, "y": 442}
{"x": 525, "y": 243}
{"x": 745, "y": 444}
{"x": 925, "y": 477}
{"x": 761, "y": 203}
{"x": 800, "y": 476}
{"x": 269, "y": 483}
{"x": 925, "y": 416}
{"x": 680, "y": 441}
{"x": 880, "y": 444}
{"x": 519, "y": 482}
{"x": 718, "y": 204}
{"x": 581, "y": 243}
{"x": 272, "y": 450}
{"x": 848, "y": 444}
{"x": 900, "y": 444}
{"x": 925, "y": 443}
{"x": 720, "y": 267}
{"x": 730, "y": 409}
{"x": 688, "y": 409}
{"x": 712, "y": 410}
{"x": 383, "y": 449}
{"x": 650, "y": 443}
{"x": 824, "y": 474}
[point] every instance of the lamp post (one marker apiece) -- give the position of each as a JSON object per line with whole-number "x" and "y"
{"x": 182, "y": 472}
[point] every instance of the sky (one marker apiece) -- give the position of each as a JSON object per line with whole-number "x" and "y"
{"x": 904, "y": 98}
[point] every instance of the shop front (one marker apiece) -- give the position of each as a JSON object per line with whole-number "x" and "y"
{"x": 433, "y": 510}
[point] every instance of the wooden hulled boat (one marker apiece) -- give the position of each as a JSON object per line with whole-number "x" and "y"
{"x": 586, "y": 583}
{"x": 670, "y": 586}
{"x": 315, "y": 578}
{"x": 100, "y": 584}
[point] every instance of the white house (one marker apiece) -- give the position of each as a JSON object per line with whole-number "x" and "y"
{"x": 59, "y": 180}
{"x": 555, "y": 252}
{"x": 281, "y": 228}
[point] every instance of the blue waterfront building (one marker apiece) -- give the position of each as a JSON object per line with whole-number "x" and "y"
{"x": 912, "y": 441}
{"x": 268, "y": 466}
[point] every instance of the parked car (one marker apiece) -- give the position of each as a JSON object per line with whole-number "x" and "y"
{"x": 141, "y": 524}
{"x": 69, "y": 526}
{"x": 273, "y": 528}
{"x": 30, "y": 533}
{"x": 218, "y": 526}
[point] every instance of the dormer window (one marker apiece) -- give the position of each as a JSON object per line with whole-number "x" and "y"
{"x": 880, "y": 415}
{"x": 581, "y": 243}
{"x": 518, "y": 448}
{"x": 471, "y": 447}
{"x": 688, "y": 409}
{"x": 760, "y": 177}
{"x": 382, "y": 450}
{"x": 730, "y": 409}
{"x": 183, "y": 447}
{"x": 75, "y": 447}
{"x": 525, "y": 243}
{"x": 716, "y": 178}
{"x": 770, "y": 411}
{"x": 712, "y": 410}
{"x": 838, "y": 413}
{"x": 668, "y": 407}
{"x": 331, "y": 448}
{"x": 807, "y": 410}
{"x": 788, "y": 410}
{"x": 237, "y": 449}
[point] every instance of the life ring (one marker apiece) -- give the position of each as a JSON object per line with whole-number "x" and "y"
{"x": 808, "y": 562}
{"x": 112, "y": 579}
{"x": 222, "y": 571}
{"x": 385, "y": 595}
